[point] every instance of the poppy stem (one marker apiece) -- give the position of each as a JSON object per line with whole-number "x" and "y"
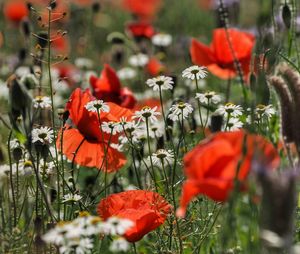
{"x": 134, "y": 248}
{"x": 53, "y": 109}
{"x": 198, "y": 102}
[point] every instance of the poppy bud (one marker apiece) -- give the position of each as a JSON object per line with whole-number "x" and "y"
{"x": 216, "y": 122}
{"x": 38, "y": 224}
{"x": 43, "y": 39}
{"x": 23, "y": 101}
{"x": 160, "y": 143}
{"x": 118, "y": 56}
{"x": 53, "y": 4}
{"x": 286, "y": 16}
{"x": 29, "y": 6}
{"x": 252, "y": 81}
{"x": 53, "y": 195}
{"x": 96, "y": 7}
{"x": 17, "y": 153}
{"x": 26, "y": 27}
{"x": 22, "y": 54}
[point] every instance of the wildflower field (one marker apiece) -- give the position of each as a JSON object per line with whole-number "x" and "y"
{"x": 149, "y": 126}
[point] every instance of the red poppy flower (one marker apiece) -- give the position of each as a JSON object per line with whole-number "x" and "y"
{"x": 67, "y": 72}
{"x": 87, "y": 140}
{"x": 144, "y": 9}
{"x": 15, "y": 10}
{"x": 218, "y": 56}
{"x": 60, "y": 44}
{"x": 140, "y": 29}
{"x": 212, "y": 165}
{"x": 155, "y": 67}
{"x": 108, "y": 88}
{"x": 148, "y": 210}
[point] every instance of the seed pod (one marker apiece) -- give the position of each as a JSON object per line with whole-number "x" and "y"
{"x": 115, "y": 38}
{"x": 293, "y": 80}
{"x": 286, "y": 16}
{"x": 287, "y": 108}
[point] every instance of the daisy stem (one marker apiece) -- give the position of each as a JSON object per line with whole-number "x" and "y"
{"x": 207, "y": 113}
{"x": 135, "y": 169}
{"x": 199, "y": 106}
{"x": 105, "y": 152}
{"x": 150, "y": 155}
{"x": 134, "y": 248}
{"x": 53, "y": 109}
{"x": 164, "y": 116}
{"x": 11, "y": 180}
{"x": 137, "y": 150}
{"x": 165, "y": 175}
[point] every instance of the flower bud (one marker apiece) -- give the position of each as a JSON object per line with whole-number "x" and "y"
{"x": 286, "y": 15}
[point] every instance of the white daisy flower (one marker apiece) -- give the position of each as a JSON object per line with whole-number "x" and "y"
{"x": 126, "y": 73}
{"x": 195, "y": 72}
{"x": 119, "y": 245}
{"x": 42, "y": 102}
{"x": 15, "y": 143}
{"x": 179, "y": 111}
{"x": 162, "y": 155}
{"x": 234, "y": 124}
{"x": 47, "y": 168}
{"x": 71, "y": 198}
{"x": 116, "y": 226}
{"x": 230, "y": 109}
{"x": 42, "y": 134}
{"x": 160, "y": 82}
{"x": 267, "y": 111}
{"x": 110, "y": 127}
{"x": 208, "y": 97}
{"x": 139, "y": 60}
{"x": 161, "y": 40}
{"x": 83, "y": 63}
{"x": 147, "y": 113}
{"x": 97, "y": 105}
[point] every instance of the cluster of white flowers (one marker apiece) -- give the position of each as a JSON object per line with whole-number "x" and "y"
{"x": 76, "y": 236}
{"x": 139, "y": 60}
{"x": 208, "y": 97}
{"x": 71, "y": 198}
{"x": 42, "y": 102}
{"x": 97, "y": 106}
{"x": 161, "y": 40}
{"x": 42, "y": 134}
{"x": 126, "y": 73}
